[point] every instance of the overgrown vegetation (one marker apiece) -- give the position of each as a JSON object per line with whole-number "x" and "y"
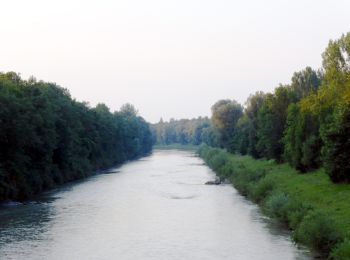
{"x": 47, "y": 138}
{"x": 316, "y": 209}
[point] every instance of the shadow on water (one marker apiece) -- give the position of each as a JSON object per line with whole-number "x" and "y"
{"x": 25, "y": 222}
{"x": 29, "y": 220}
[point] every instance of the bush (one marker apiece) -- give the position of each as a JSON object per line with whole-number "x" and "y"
{"x": 218, "y": 161}
{"x": 296, "y": 212}
{"x": 318, "y": 231}
{"x": 263, "y": 188}
{"x": 277, "y": 206}
{"x": 227, "y": 170}
{"x": 342, "y": 251}
{"x": 245, "y": 179}
{"x": 287, "y": 209}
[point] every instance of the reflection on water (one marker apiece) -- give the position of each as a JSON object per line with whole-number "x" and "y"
{"x": 154, "y": 208}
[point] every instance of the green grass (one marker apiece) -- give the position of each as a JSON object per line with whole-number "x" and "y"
{"x": 176, "y": 147}
{"x": 315, "y": 208}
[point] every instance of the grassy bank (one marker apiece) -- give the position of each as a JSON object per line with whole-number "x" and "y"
{"x": 317, "y": 210}
{"x": 177, "y": 147}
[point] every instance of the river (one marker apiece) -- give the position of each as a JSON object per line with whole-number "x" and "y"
{"x": 153, "y": 208}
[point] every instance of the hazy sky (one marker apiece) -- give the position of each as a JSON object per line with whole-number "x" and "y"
{"x": 170, "y": 58}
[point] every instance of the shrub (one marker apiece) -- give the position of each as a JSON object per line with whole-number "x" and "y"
{"x": 245, "y": 179}
{"x": 277, "y": 206}
{"x": 228, "y": 169}
{"x": 262, "y": 189}
{"x": 318, "y": 231}
{"x": 342, "y": 251}
{"x": 296, "y": 212}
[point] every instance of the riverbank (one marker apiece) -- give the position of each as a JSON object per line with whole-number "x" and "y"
{"x": 317, "y": 210}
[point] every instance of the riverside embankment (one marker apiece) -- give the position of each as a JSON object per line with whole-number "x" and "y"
{"x": 315, "y": 209}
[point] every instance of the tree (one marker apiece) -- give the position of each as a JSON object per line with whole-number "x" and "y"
{"x": 225, "y": 115}
{"x": 331, "y": 104}
{"x": 47, "y": 138}
{"x": 337, "y": 145}
{"x": 305, "y": 82}
{"x": 253, "y": 106}
{"x": 183, "y": 131}
{"x": 302, "y": 142}
{"x": 271, "y": 123}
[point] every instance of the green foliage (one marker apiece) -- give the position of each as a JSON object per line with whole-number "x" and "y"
{"x": 47, "y": 138}
{"x": 336, "y": 136}
{"x": 253, "y": 106}
{"x": 175, "y": 146}
{"x": 271, "y": 123}
{"x": 305, "y": 83}
{"x": 297, "y": 121}
{"x": 341, "y": 251}
{"x": 277, "y": 205}
{"x": 296, "y": 211}
{"x": 241, "y": 137}
{"x": 331, "y": 105}
{"x": 210, "y": 136}
{"x": 319, "y": 231}
{"x": 262, "y": 189}
{"x": 287, "y": 209}
{"x": 184, "y": 132}
{"x": 225, "y": 115}
{"x": 302, "y": 142}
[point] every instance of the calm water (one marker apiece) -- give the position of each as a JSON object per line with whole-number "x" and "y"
{"x": 153, "y": 208}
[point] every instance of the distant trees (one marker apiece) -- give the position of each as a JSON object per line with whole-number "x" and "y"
{"x": 47, "y": 138}
{"x": 185, "y": 131}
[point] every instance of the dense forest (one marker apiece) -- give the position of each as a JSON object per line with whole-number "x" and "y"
{"x": 47, "y": 138}
{"x": 305, "y": 123}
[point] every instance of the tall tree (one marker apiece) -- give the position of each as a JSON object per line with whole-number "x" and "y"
{"x": 225, "y": 115}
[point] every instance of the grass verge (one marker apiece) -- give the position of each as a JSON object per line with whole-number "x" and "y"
{"x": 317, "y": 210}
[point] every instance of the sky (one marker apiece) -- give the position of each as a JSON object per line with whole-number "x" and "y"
{"x": 169, "y": 58}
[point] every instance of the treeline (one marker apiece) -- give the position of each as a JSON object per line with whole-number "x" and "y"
{"x": 47, "y": 138}
{"x": 185, "y": 131}
{"x": 305, "y": 123}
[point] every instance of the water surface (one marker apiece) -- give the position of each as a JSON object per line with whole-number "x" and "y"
{"x": 153, "y": 208}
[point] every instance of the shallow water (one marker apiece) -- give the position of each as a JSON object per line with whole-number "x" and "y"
{"x": 153, "y": 208}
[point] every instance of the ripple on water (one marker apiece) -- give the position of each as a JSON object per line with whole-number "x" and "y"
{"x": 178, "y": 197}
